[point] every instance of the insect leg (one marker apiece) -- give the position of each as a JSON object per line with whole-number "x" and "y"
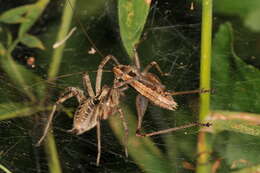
{"x": 122, "y": 116}
{"x": 136, "y": 57}
{"x": 176, "y": 129}
{"x": 141, "y": 106}
{"x": 188, "y": 92}
{"x": 157, "y": 67}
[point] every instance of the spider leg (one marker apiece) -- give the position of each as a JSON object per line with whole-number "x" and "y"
{"x": 69, "y": 92}
{"x": 46, "y": 129}
{"x": 176, "y": 129}
{"x": 100, "y": 70}
{"x": 99, "y": 142}
{"x": 141, "y": 106}
{"x": 87, "y": 84}
{"x": 124, "y": 122}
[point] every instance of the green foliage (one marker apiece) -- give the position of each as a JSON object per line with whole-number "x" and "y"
{"x": 240, "y": 79}
{"x": 4, "y": 169}
{"x": 23, "y": 78}
{"x": 247, "y": 10}
{"x": 142, "y": 150}
{"x": 13, "y": 110}
{"x": 234, "y": 137}
{"x": 237, "y": 89}
{"x": 132, "y": 18}
{"x": 248, "y": 170}
{"x": 32, "y": 41}
{"x": 15, "y": 15}
{"x": 26, "y": 16}
{"x": 236, "y": 86}
{"x": 2, "y": 49}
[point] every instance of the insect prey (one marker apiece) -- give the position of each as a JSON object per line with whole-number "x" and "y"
{"x": 149, "y": 88}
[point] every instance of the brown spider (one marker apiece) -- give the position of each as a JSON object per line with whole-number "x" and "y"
{"x": 149, "y": 88}
{"x": 92, "y": 109}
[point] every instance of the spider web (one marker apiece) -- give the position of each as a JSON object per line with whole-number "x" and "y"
{"x": 173, "y": 39}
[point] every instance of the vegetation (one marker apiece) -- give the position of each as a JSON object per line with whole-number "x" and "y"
{"x": 33, "y": 73}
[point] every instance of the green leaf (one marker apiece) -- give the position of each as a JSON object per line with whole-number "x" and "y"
{"x": 238, "y": 7}
{"x": 132, "y": 17}
{"x": 32, "y": 41}
{"x": 9, "y": 38}
{"x": 237, "y": 88}
{"x": 252, "y": 20}
{"x": 2, "y": 49}
{"x": 32, "y": 15}
{"x": 26, "y": 80}
{"x": 247, "y": 10}
{"x": 249, "y": 170}
{"x": 142, "y": 150}
{"x": 241, "y": 122}
{"x": 5, "y": 38}
{"x": 236, "y": 83}
{"x": 16, "y": 15}
{"x": 13, "y": 110}
{"x": 240, "y": 151}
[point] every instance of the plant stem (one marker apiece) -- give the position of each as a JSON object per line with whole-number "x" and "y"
{"x": 204, "y": 146}
{"x": 50, "y": 145}
{"x": 51, "y": 152}
{"x": 4, "y": 169}
{"x": 64, "y": 28}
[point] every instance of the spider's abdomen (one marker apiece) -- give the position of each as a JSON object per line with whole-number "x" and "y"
{"x": 85, "y": 117}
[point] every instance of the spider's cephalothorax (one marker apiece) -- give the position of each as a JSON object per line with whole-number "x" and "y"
{"x": 92, "y": 109}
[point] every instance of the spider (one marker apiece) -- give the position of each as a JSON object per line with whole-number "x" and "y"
{"x": 91, "y": 110}
{"x": 149, "y": 88}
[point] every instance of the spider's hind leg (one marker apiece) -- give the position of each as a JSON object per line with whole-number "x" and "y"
{"x": 69, "y": 92}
